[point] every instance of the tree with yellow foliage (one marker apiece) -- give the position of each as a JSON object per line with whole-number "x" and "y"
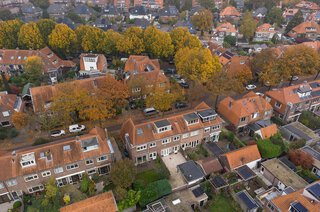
{"x": 33, "y": 68}
{"x": 131, "y": 42}
{"x": 9, "y": 33}
{"x": 161, "y": 100}
{"x": 110, "y": 42}
{"x": 197, "y": 64}
{"x": 202, "y": 20}
{"x": 248, "y": 25}
{"x": 182, "y": 38}
{"x": 93, "y": 40}
{"x": 45, "y": 27}
{"x": 30, "y": 36}
{"x": 157, "y": 43}
{"x": 20, "y": 120}
{"x": 63, "y": 39}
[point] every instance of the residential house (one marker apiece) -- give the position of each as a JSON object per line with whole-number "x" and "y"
{"x": 9, "y": 103}
{"x": 224, "y": 30}
{"x": 289, "y": 102}
{"x": 60, "y": 2}
{"x": 102, "y": 23}
{"x": 307, "y": 6}
{"x": 111, "y": 11}
{"x": 25, "y": 170}
{"x": 67, "y": 21}
{"x": 42, "y": 96}
{"x": 191, "y": 172}
{"x": 310, "y": 30}
{"x": 265, "y": 129}
{"x": 100, "y": 203}
{"x": 314, "y": 17}
{"x": 83, "y": 11}
{"x": 143, "y": 76}
{"x": 188, "y": 24}
{"x": 122, "y": 4}
{"x": 12, "y": 3}
{"x": 139, "y": 12}
{"x": 315, "y": 154}
{"x": 246, "y": 110}
{"x": 246, "y": 156}
{"x": 164, "y": 136}
{"x": 31, "y": 12}
{"x": 237, "y": 65}
{"x": 305, "y": 199}
{"x": 229, "y": 13}
{"x": 260, "y": 13}
{"x": 57, "y": 11}
{"x": 168, "y": 13}
{"x": 141, "y": 23}
{"x": 264, "y": 32}
{"x": 297, "y": 131}
{"x": 155, "y": 4}
{"x": 239, "y": 4}
{"x": 92, "y": 64}
{"x": 12, "y": 61}
{"x": 289, "y": 13}
{"x": 246, "y": 202}
{"x": 210, "y": 165}
{"x": 280, "y": 175}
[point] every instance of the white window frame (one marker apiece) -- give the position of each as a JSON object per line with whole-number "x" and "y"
{"x": 89, "y": 162}
{"x": 194, "y": 133}
{"x": 11, "y": 182}
{"x": 152, "y": 145}
{"x": 72, "y": 166}
{"x": 46, "y": 173}
{"x": 102, "y": 158}
{"x": 41, "y": 188}
{"x": 58, "y": 170}
{"x": 176, "y": 138}
{"x": 1, "y": 185}
{"x": 31, "y": 176}
{"x": 153, "y": 155}
{"x": 165, "y": 141}
{"x": 277, "y": 104}
{"x": 206, "y": 130}
{"x": 89, "y": 170}
{"x": 186, "y": 135}
{"x": 242, "y": 119}
{"x": 141, "y": 147}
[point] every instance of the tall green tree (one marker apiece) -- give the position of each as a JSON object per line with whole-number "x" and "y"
{"x": 63, "y": 39}
{"x": 208, "y": 4}
{"x": 30, "y": 37}
{"x": 197, "y": 64}
{"x": 157, "y": 43}
{"x": 9, "y": 33}
{"x": 123, "y": 173}
{"x": 274, "y": 16}
{"x": 203, "y": 20}
{"x": 46, "y": 26}
{"x": 51, "y": 191}
{"x": 181, "y": 38}
{"x": 110, "y": 42}
{"x": 248, "y": 25}
{"x": 33, "y": 69}
{"x": 295, "y": 21}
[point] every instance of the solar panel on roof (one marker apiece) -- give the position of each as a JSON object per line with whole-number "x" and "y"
{"x": 314, "y": 85}
{"x": 198, "y": 192}
{"x": 315, "y": 190}
{"x": 298, "y": 207}
{"x": 247, "y": 200}
{"x": 245, "y": 173}
{"x": 215, "y": 149}
{"x": 218, "y": 182}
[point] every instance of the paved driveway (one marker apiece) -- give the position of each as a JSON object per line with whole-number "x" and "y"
{"x": 176, "y": 180}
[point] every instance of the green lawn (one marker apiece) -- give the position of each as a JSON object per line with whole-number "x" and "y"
{"x": 148, "y": 176}
{"x": 222, "y": 204}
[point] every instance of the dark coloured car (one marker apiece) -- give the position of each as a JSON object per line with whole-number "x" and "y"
{"x": 184, "y": 85}
{"x": 180, "y": 105}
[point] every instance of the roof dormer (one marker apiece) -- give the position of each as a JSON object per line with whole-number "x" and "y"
{"x": 207, "y": 115}
{"x": 28, "y": 160}
{"x": 191, "y": 118}
{"x": 163, "y": 126}
{"x": 89, "y": 144}
{"x": 304, "y": 90}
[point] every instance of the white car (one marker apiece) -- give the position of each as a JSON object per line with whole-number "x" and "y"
{"x": 57, "y": 133}
{"x": 251, "y": 87}
{"x": 295, "y": 78}
{"x": 260, "y": 94}
{"x": 76, "y": 128}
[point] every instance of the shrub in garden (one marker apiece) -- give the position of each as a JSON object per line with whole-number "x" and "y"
{"x": 154, "y": 191}
{"x": 17, "y": 204}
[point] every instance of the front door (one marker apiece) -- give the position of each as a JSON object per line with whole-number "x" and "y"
{"x": 14, "y": 195}
{"x": 176, "y": 149}
{"x": 165, "y": 152}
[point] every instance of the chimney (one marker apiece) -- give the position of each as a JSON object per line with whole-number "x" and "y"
{"x": 230, "y": 104}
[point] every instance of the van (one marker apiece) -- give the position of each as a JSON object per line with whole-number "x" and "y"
{"x": 150, "y": 111}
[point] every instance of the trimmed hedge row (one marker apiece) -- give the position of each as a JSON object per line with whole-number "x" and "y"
{"x": 154, "y": 191}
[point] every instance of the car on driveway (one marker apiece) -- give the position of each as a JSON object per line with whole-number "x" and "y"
{"x": 57, "y": 133}
{"x": 76, "y": 128}
{"x": 295, "y": 78}
{"x": 180, "y": 105}
{"x": 184, "y": 85}
{"x": 251, "y": 87}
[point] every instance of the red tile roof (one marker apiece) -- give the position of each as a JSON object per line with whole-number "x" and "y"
{"x": 305, "y": 27}
{"x": 307, "y": 5}
{"x": 265, "y": 28}
{"x": 230, "y": 11}
{"x": 269, "y": 131}
{"x": 101, "y": 64}
{"x": 226, "y": 27}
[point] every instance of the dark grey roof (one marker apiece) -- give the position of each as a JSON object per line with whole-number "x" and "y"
{"x": 190, "y": 117}
{"x": 29, "y": 8}
{"x": 297, "y": 132}
{"x": 169, "y": 11}
{"x": 218, "y": 182}
{"x": 297, "y": 206}
{"x": 67, "y": 21}
{"x": 314, "y": 153}
{"x": 89, "y": 142}
{"x": 57, "y": 9}
{"x": 288, "y": 163}
{"x": 247, "y": 200}
{"x": 198, "y": 191}
{"x": 83, "y": 9}
{"x": 162, "y": 123}
{"x": 196, "y": 9}
{"x": 260, "y": 10}
{"x": 191, "y": 171}
{"x": 138, "y": 10}
{"x": 207, "y": 113}
{"x": 288, "y": 190}
{"x": 245, "y": 173}
{"x": 111, "y": 10}
{"x": 214, "y": 148}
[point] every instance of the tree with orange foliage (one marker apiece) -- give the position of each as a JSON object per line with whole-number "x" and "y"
{"x": 300, "y": 158}
{"x": 20, "y": 120}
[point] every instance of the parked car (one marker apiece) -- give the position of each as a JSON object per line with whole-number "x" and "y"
{"x": 170, "y": 71}
{"x": 57, "y": 133}
{"x": 76, "y": 128}
{"x": 150, "y": 111}
{"x": 184, "y": 85}
{"x": 251, "y": 87}
{"x": 180, "y": 105}
{"x": 295, "y": 78}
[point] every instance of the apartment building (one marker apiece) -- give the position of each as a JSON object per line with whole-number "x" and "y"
{"x": 122, "y": 4}
{"x": 28, "y": 169}
{"x": 289, "y": 102}
{"x": 149, "y": 4}
{"x": 251, "y": 108}
{"x": 164, "y": 136}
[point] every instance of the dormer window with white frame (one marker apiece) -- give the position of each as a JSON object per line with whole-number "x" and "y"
{"x": 207, "y": 115}
{"x": 191, "y": 118}
{"x": 28, "y": 160}
{"x": 141, "y": 147}
{"x": 163, "y": 126}
{"x": 166, "y": 141}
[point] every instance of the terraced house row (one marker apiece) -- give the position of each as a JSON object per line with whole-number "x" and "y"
{"x": 28, "y": 169}
{"x": 164, "y": 136}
